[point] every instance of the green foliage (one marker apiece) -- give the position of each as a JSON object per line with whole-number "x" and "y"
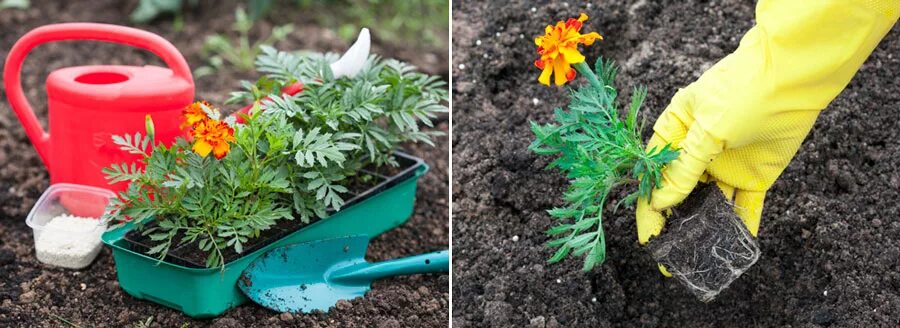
{"x": 375, "y": 111}
{"x": 241, "y": 53}
{"x": 291, "y": 159}
{"x": 599, "y": 151}
{"x": 395, "y": 20}
{"x": 15, "y": 4}
{"x": 258, "y": 8}
{"x": 147, "y": 10}
{"x": 217, "y": 203}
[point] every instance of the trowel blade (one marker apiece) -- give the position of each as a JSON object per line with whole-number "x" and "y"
{"x": 294, "y": 278}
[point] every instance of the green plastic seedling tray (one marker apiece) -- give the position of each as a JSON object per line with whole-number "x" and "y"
{"x": 208, "y": 292}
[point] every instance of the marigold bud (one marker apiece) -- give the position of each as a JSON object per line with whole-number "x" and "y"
{"x": 148, "y": 126}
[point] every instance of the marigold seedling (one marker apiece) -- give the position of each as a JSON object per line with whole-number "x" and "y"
{"x": 596, "y": 148}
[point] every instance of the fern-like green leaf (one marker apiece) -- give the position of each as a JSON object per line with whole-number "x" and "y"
{"x": 598, "y": 150}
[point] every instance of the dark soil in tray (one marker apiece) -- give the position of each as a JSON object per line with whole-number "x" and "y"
{"x": 189, "y": 255}
{"x": 830, "y": 234}
{"x": 34, "y": 295}
{"x": 704, "y": 244}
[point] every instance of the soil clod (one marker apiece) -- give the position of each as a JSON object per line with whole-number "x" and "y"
{"x": 705, "y": 245}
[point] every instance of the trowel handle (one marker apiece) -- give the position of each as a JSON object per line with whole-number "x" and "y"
{"x": 434, "y": 262}
{"x": 77, "y": 31}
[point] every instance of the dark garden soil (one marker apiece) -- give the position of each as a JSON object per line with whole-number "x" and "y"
{"x": 830, "y": 237}
{"x": 34, "y": 295}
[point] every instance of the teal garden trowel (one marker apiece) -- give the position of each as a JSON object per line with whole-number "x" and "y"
{"x": 315, "y": 275}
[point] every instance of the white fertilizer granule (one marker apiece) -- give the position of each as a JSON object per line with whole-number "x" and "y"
{"x": 69, "y": 241}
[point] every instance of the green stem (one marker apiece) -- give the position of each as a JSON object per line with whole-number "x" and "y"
{"x": 601, "y": 239}
{"x": 588, "y": 73}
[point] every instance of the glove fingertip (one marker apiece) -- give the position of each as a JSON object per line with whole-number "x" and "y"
{"x": 748, "y": 205}
{"x": 727, "y": 190}
{"x": 649, "y": 222}
{"x": 666, "y": 197}
{"x": 662, "y": 269}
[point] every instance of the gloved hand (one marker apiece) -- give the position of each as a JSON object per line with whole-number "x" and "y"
{"x": 743, "y": 120}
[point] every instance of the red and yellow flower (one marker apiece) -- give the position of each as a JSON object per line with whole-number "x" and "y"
{"x": 558, "y": 48}
{"x": 194, "y": 113}
{"x": 210, "y": 135}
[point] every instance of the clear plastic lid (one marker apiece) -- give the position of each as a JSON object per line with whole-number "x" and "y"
{"x": 68, "y": 199}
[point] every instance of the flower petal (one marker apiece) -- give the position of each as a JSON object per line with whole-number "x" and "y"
{"x": 588, "y": 39}
{"x": 221, "y": 149}
{"x": 583, "y": 17}
{"x": 571, "y": 55}
{"x": 560, "y": 68}
{"x": 545, "y": 75}
{"x": 575, "y": 24}
{"x": 202, "y": 148}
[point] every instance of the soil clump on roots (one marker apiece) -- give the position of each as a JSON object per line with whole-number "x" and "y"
{"x": 704, "y": 244}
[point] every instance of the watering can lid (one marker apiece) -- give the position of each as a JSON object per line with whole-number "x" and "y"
{"x": 120, "y": 87}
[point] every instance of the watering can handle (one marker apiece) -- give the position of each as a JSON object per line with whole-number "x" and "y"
{"x": 77, "y": 31}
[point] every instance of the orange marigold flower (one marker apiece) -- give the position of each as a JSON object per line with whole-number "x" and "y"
{"x": 194, "y": 113}
{"x": 212, "y": 136}
{"x": 559, "y": 49}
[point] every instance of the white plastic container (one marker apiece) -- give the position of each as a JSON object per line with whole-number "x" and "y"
{"x": 66, "y": 224}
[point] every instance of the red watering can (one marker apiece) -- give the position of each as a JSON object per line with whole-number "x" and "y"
{"x": 87, "y": 105}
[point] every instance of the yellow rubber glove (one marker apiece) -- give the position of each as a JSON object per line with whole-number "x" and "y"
{"x": 743, "y": 120}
